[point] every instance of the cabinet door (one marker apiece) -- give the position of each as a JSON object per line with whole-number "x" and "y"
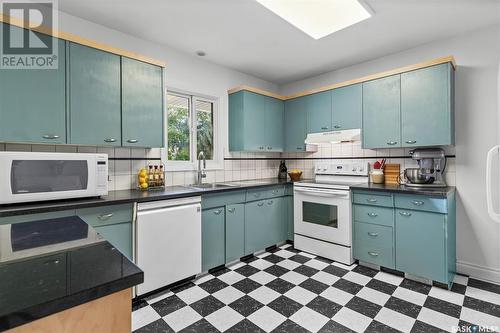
{"x": 381, "y": 113}
{"x": 235, "y": 232}
{"x": 254, "y": 126}
{"x": 94, "y": 97}
{"x": 319, "y": 112}
{"x": 119, "y": 235}
{"x": 255, "y": 226}
{"x": 426, "y": 113}
{"x": 33, "y": 102}
{"x": 420, "y": 244}
{"x": 289, "y": 216}
{"x": 275, "y": 217}
{"x": 274, "y": 124}
{"x": 212, "y": 234}
{"x": 347, "y": 104}
{"x": 142, "y": 104}
{"x": 295, "y": 124}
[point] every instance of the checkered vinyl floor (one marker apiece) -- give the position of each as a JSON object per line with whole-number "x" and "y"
{"x": 286, "y": 290}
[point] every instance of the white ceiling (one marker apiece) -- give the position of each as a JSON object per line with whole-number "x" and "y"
{"x": 243, "y": 35}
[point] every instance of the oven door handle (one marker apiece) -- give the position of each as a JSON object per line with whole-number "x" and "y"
{"x": 323, "y": 193}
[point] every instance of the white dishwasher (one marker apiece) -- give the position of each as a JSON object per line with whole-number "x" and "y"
{"x": 168, "y": 241}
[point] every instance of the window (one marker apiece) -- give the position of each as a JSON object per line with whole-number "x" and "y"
{"x": 191, "y": 129}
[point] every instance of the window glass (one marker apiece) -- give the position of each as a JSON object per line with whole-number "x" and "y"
{"x": 178, "y": 113}
{"x": 204, "y": 128}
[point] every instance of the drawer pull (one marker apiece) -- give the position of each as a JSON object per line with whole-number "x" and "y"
{"x": 260, "y": 204}
{"x": 218, "y": 211}
{"x": 373, "y": 254}
{"x": 231, "y": 210}
{"x": 371, "y": 200}
{"x": 270, "y": 202}
{"x": 299, "y": 148}
{"x": 372, "y": 214}
{"x": 52, "y": 262}
{"x": 372, "y": 234}
{"x": 269, "y": 148}
{"x": 417, "y": 203}
{"x": 256, "y": 195}
{"x": 324, "y": 127}
{"x": 275, "y": 191}
{"x": 132, "y": 141}
{"x": 105, "y": 217}
{"x": 392, "y": 143}
{"x": 337, "y": 126}
{"x": 109, "y": 140}
{"x": 411, "y": 142}
{"x": 404, "y": 213}
{"x": 50, "y": 137}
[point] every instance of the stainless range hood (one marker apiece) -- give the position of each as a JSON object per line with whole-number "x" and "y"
{"x": 334, "y": 137}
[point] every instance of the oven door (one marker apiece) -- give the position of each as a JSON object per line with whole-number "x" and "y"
{"x": 323, "y": 214}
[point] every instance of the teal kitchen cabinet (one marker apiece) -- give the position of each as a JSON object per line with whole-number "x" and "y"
{"x": 33, "y": 102}
{"x": 427, "y": 114}
{"x": 319, "y": 112}
{"x": 94, "y": 96}
{"x": 255, "y": 122}
{"x": 347, "y": 103}
{"x": 275, "y": 215}
{"x": 235, "y": 232}
{"x": 142, "y": 104}
{"x": 289, "y": 217}
{"x": 213, "y": 239}
{"x": 119, "y": 235}
{"x": 381, "y": 113}
{"x": 256, "y": 225}
{"x": 295, "y": 124}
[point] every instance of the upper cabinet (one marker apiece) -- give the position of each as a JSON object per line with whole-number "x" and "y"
{"x": 319, "y": 112}
{"x": 347, "y": 104}
{"x": 295, "y": 124}
{"x": 33, "y": 102}
{"x": 94, "y": 96}
{"x": 255, "y": 122}
{"x": 142, "y": 104}
{"x": 427, "y": 116}
{"x": 381, "y": 113}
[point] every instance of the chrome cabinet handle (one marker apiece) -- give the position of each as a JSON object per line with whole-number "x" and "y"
{"x": 324, "y": 127}
{"x": 392, "y": 143}
{"x": 372, "y": 214}
{"x": 231, "y": 210}
{"x": 52, "y": 262}
{"x": 417, "y": 203}
{"x": 109, "y": 140}
{"x": 218, "y": 211}
{"x": 270, "y": 202}
{"x": 373, "y": 254}
{"x": 256, "y": 195}
{"x": 411, "y": 142}
{"x": 132, "y": 141}
{"x": 105, "y": 217}
{"x": 275, "y": 191}
{"x": 337, "y": 126}
{"x": 299, "y": 148}
{"x": 50, "y": 137}
{"x": 371, "y": 200}
{"x": 404, "y": 213}
{"x": 269, "y": 148}
{"x": 260, "y": 204}
{"x": 373, "y": 234}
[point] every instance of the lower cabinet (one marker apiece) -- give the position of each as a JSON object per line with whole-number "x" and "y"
{"x": 256, "y": 224}
{"x": 119, "y": 235}
{"x": 288, "y": 201}
{"x": 213, "y": 243}
{"x": 235, "y": 232}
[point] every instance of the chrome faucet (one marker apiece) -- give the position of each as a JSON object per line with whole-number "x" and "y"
{"x": 201, "y": 172}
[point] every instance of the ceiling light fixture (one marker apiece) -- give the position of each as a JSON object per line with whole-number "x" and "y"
{"x": 201, "y": 53}
{"x": 319, "y": 18}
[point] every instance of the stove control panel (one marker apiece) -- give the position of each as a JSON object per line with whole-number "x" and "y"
{"x": 348, "y": 169}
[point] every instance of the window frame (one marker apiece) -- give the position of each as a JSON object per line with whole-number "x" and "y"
{"x": 217, "y": 162}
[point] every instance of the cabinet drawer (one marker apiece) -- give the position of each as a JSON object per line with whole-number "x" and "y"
{"x": 106, "y": 215}
{"x": 373, "y": 235}
{"x": 222, "y": 199}
{"x": 373, "y": 214}
{"x": 422, "y": 202}
{"x": 36, "y": 217}
{"x": 265, "y": 193}
{"x": 377, "y": 255}
{"x": 365, "y": 198}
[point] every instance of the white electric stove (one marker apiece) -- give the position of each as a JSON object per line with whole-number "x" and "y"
{"x": 322, "y": 210}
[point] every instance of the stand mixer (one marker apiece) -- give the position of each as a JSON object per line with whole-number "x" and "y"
{"x": 431, "y": 166}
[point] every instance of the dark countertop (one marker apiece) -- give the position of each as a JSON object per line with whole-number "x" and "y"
{"x": 129, "y": 196}
{"x": 48, "y": 266}
{"x": 438, "y": 192}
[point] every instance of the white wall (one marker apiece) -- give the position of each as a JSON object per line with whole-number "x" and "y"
{"x": 477, "y": 55}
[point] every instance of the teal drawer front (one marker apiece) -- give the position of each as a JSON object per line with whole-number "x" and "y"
{"x": 421, "y": 202}
{"x": 35, "y": 217}
{"x": 106, "y": 215}
{"x": 222, "y": 199}
{"x": 373, "y": 235}
{"x": 265, "y": 193}
{"x": 365, "y": 198}
{"x": 374, "y": 214}
{"x": 377, "y": 255}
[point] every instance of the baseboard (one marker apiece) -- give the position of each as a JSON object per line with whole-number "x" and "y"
{"x": 480, "y": 272}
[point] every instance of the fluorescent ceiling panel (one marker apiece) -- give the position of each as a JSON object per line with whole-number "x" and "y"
{"x": 319, "y": 18}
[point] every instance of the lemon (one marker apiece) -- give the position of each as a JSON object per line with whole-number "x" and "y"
{"x": 143, "y": 173}
{"x": 144, "y": 185}
{"x": 142, "y": 179}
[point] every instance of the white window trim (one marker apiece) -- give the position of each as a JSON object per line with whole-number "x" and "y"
{"x": 218, "y": 162}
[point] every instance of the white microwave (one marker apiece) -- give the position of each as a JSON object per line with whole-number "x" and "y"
{"x": 30, "y": 176}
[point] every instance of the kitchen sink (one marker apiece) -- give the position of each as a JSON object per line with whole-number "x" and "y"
{"x": 210, "y": 186}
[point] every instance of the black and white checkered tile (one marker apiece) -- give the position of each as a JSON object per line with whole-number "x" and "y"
{"x": 290, "y": 291}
